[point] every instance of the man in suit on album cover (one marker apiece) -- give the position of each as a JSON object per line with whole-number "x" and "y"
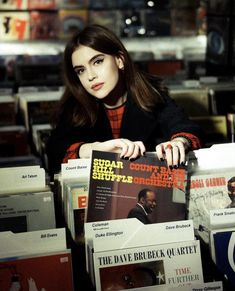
{"x": 146, "y": 204}
{"x": 231, "y": 191}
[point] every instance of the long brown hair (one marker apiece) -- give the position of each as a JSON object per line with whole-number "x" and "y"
{"x": 76, "y": 104}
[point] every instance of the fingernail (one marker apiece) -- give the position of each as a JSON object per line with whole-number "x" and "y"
{"x": 182, "y": 163}
{"x": 126, "y": 158}
{"x": 171, "y": 167}
{"x": 161, "y": 159}
{"x": 175, "y": 166}
{"x": 131, "y": 160}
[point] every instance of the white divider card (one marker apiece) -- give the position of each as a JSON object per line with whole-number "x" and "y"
{"x": 217, "y": 157}
{"x": 76, "y": 168}
{"x": 212, "y": 286}
{"x": 130, "y": 232}
{"x": 17, "y": 179}
{"x": 222, "y": 218}
{"x": 172, "y": 264}
{"x": 25, "y": 243}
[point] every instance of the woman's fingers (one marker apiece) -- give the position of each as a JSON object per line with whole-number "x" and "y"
{"x": 132, "y": 150}
{"x": 127, "y": 149}
{"x": 173, "y": 152}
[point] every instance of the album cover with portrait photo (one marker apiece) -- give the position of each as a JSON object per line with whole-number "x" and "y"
{"x": 170, "y": 264}
{"x": 145, "y": 188}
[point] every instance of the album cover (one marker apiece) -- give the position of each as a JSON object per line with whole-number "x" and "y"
{"x": 107, "y": 18}
{"x": 7, "y": 110}
{"x": 129, "y": 233}
{"x": 71, "y": 195}
{"x": 209, "y": 192}
{"x": 157, "y": 22}
{"x": 73, "y": 3}
{"x": 195, "y": 101}
{"x": 48, "y": 271}
{"x": 27, "y": 211}
{"x": 37, "y": 107}
{"x": 44, "y": 25}
{"x": 75, "y": 204}
{"x": 13, "y": 141}
{"x": 20, "y": 161}
{"x": 102, "y": 4}
{"x": 14, "y": 4}
{"x": 40, "y": 135}
{"x": 72, "y": 20}
{"x": 215, "y": 128}
{"x": 174, "y": 264}
{"x": 14, "y": 25}
{"x": 117, "y": 186}
{"x": 42, "y": 4}
{"x": 224, "y": 241}
{"x": 183, "y": 22}
{"x": 215, "y": 285}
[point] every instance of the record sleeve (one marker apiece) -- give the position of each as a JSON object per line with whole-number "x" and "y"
{"x": 49, "y": 271}
{"x": 116, "y": 183}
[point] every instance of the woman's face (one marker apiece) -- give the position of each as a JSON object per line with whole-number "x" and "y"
{"x": 97, "y": 72}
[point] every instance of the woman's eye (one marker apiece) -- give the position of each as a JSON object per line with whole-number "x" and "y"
{"x": 79, "y": 71}
{"x": 99, "y": 61}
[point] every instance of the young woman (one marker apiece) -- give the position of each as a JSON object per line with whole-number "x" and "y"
{"x": 109, "y": 105}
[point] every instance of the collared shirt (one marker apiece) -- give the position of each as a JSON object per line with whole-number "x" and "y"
{"x": 142, "y": 208}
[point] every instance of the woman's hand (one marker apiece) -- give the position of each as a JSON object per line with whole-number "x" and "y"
{"x": 127, "y": 149}
{"x": 173, "y": 151}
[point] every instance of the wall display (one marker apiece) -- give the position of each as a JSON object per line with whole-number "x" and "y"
{"x": 183, "y": 22}
{"x": 218, "y": 40}
{"x": 14, "y": 25}
{"x": 44, "y": 25}
{"x": 109, "y": 18}
{"x": 42, "y": 4}
{"x": 219, "y": 7}
{"x": 102, "y": 4}
{"x": 157, "y": 22}
{"x": 72, "y": 20}
{"x": 73, "y": 3}
{"x": 14, "y": 4}
{"x": 133, "y": 23}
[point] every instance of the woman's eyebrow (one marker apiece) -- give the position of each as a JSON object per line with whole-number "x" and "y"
{"x": 90, "y": 61}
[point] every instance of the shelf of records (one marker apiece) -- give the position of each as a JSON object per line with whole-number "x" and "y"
{"x": 100, "y": 201}
{"x": 168, "y": 56}
{"x": 25, "y": 125}
{"x": 53, "y": 19}
{"x": 128, "y": 245}
{"x": 34, "y": 253}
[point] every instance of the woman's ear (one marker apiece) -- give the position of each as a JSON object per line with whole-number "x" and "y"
{"x": 120, "y": 62}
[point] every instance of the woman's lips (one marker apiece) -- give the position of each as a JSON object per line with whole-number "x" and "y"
{"x": 97, "y": 86}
